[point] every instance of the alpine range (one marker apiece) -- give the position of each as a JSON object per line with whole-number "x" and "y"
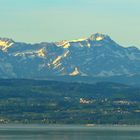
{"x": 97, "y": 55}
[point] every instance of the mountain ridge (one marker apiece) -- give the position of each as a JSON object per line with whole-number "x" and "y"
{"x": 97, "y": 55}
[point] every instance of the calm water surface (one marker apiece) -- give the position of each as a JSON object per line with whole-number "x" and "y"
{"x": 68, "y": 132}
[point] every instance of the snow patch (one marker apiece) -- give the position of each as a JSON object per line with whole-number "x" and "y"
{"x": 75, "y": 72}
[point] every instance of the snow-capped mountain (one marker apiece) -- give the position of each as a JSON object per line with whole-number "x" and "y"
{"x": 97, "y": 55}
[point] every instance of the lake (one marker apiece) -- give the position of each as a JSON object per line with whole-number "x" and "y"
{"x": 68, "y": 132}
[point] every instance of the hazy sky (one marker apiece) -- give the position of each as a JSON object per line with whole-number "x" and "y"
{"x": 54, "y": 20}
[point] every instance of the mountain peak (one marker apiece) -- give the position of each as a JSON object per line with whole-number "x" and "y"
{"x": 98, "y": 37}
{"x": 5, "y": 43}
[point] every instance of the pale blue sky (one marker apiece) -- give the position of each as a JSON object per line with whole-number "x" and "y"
{"x": 54, "y": 20}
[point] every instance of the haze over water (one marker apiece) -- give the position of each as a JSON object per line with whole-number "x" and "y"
{"x": 68, "y": 132}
